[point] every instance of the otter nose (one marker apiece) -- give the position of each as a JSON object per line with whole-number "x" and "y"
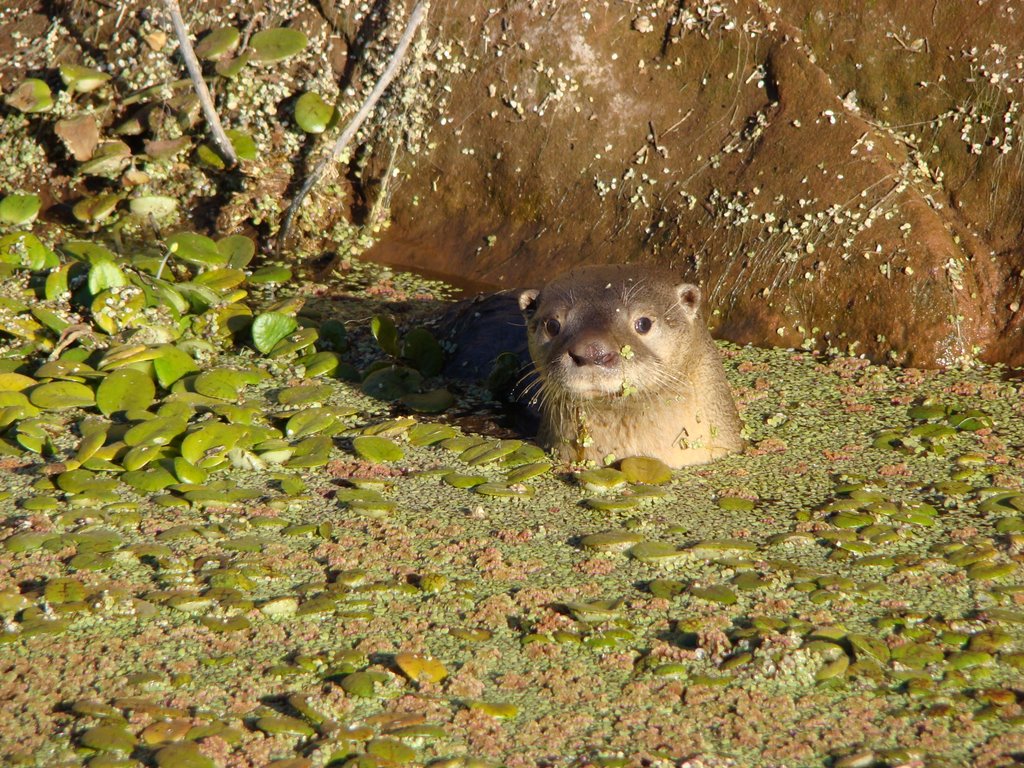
{"x": 593, "y": 353}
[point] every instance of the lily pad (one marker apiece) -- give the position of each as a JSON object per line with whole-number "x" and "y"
{"x": 196, "y": 249}
{"x": 61, "y": 395}
{"x": 384, "y": 331}
{"x": 391, "y": 383}
{"x": 109, "y": 158}
{"x": 269, "y": 328}
{"x": 237, "y": 249}
{"x": 377, "y": 449}
{"x": 24, "y": 249}
{"x": 79, "y": 79}
{"x": 207, "y": 446}
{"x": 33, "y": 95}
{"x": 243, "y": 143}
{"x": 434, "y": 401}
{"x": 104, "y": 274}
{"x": 421, "y": 668}
{"x": 313, "y": 114}
{"x": 92, "y": 210}
{"x": 157, "y": 206}
{"x": 217, "y": 42}
{"x": 172, "y": 364}
{"x": 277, "y": 44}
{"x": 19, "y": 209}
{"x": 420, "y": 348}
{"x": 123, "y": 390}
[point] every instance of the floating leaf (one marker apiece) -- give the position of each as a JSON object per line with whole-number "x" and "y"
{"x": 81, "y": 79}
{"x": 271, "y": 274}
{"x": 272, "y": 45}
{"x": 207, "y": 446}
{"x": 159, "y": 431}
{"x": 87, "y": 251}
{"x": 269, "y": 328}
{"x": 92, "y": 210}
{"x": 24, "y": 249}
{"x": 391, "y": 383}
{"x": 420, "y": 668}
{"x": 123, "y": 390}
{"x": 237, "y": 249}
{"x": 420, "y": 348}
{"x": 104, "y": 275}
{"x": 384, "y": 331}
{"x": 32, "y": 95}
{"x": 243, "y": 144}
{"x": 109, "y": 738}
{"x": 230, "y": 68}
{"x": 313, "y": 114}
{"x": 294, "y": 343}
{"x": 377, "y": 449}
{"x": 60, "y": 395}
{"x": 434, "y": 401}
{"x": 185, "y": 754}
{"x": 108, "y": 159}
{"x": 157, "y": 206}
{"x": 642, "y": 469}
{"x": 196, "y": 249}
{"x": 19, "y": 209}
{"x": 217, "y": 42}
{"x": 15, "y": 382}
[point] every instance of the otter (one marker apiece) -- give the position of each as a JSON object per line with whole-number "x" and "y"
{"x": 626, "y": 367}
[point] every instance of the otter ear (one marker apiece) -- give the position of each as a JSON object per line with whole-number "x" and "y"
{"x": 528, "y": 301}
{"x": 689, "y": 299}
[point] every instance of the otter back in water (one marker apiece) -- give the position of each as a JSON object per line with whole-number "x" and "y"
{"x": 626, "y": 367}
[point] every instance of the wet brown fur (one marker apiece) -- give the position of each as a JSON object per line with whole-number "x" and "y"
{"x": 605, "y": 388}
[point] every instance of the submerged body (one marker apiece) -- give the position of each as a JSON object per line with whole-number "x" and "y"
{"x": 626, "y": 367}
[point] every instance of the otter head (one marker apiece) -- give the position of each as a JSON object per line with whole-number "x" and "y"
{"x": 612, "y": 332}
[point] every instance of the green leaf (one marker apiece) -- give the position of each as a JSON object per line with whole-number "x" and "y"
{"x": 230, "y": 68}
{"x": 313, "y": 114}
{"x": 92, "y": 210}
{"x": 277, "y": 44}
{"x": 237, "y": 249}
{"x": 31, "y": 96}
{"x": 81, "y": 79}
{"x": 87, "y": 251}
{"x": 384, "y": 331}
{"x": 125, "y": 389}
{"x": 421, "y": 349}
{"x": 208, "y": 156}
{"x": 109, "y": 159}
{"x": 217, "y": 42}
{"x": 59, "y": 395}
{"x": 244, "y": 144}
{"x": 19, "y": 209}
{"x": 104, "y": 275}
{"x": 269, "y": 328}
{"x": 172, "y": 364}
{"x": 196, "y": 249}
{"x": 271, "y": 274}
{"x": 157, "y": 206}
{"x": 23, "y": 249}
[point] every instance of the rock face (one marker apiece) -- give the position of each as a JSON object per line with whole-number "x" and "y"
{"x": 833, "y": 174}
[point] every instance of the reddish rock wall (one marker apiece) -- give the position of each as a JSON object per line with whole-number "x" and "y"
{"x": 834, "y": 176}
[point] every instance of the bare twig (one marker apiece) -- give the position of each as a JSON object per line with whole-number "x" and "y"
{"x": 220, "y": 139}
{"x": 415, "y": 19}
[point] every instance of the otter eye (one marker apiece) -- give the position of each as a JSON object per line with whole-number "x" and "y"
{"x": 643, "y": 325}
{"x": 552, "y": 326}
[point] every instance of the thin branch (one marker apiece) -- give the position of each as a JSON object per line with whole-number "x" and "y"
{"x": 195, "y": 72}
{"x": 415, "y": 19}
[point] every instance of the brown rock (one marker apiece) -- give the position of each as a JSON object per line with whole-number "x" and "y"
{"x": 820, "y": 175}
